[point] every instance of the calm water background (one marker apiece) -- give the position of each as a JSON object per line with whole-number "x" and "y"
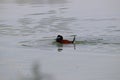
{"x": 27, "y": 40}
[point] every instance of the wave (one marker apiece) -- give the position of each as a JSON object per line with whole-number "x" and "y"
{"x": 99, "y": 40}
{"x": 100, "y": 19}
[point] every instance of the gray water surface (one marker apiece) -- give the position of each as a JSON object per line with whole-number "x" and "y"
{"x": 28, "y": 50}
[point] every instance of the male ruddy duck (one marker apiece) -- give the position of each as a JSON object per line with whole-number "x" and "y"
{"x": 60, "y": 39}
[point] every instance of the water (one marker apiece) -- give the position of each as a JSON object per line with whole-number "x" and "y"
{"x": 28, "y": 50}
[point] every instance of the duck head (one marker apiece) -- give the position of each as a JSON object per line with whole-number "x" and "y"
{"x": 59, "y": 38}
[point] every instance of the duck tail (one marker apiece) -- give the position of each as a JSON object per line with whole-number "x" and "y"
{"x": 73, "y": 39}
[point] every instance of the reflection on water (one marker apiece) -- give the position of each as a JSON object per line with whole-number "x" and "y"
{"x": 29, "y": 1}
{"x": 37, "y": 73}
{"x": 61, "y": 46}
{"x": 35, "y": 1}
{"x": 50, "y": 24}
{"x": 41, "y": 1}
{"x": 56, "y": 24}
{"x": 25, "y": 21}
{"x": 36, "y": 21}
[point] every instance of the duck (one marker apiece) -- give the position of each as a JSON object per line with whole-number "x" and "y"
{"x": 60, "y": 39}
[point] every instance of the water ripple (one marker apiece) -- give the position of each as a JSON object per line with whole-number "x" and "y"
{"x": 100, "y": 19}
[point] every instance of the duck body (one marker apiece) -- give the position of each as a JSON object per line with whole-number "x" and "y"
{"x": 65, "y": 42}
{"x": 60, "y": 39}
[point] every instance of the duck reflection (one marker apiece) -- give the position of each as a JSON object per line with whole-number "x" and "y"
{"x": 60, "y": 46}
